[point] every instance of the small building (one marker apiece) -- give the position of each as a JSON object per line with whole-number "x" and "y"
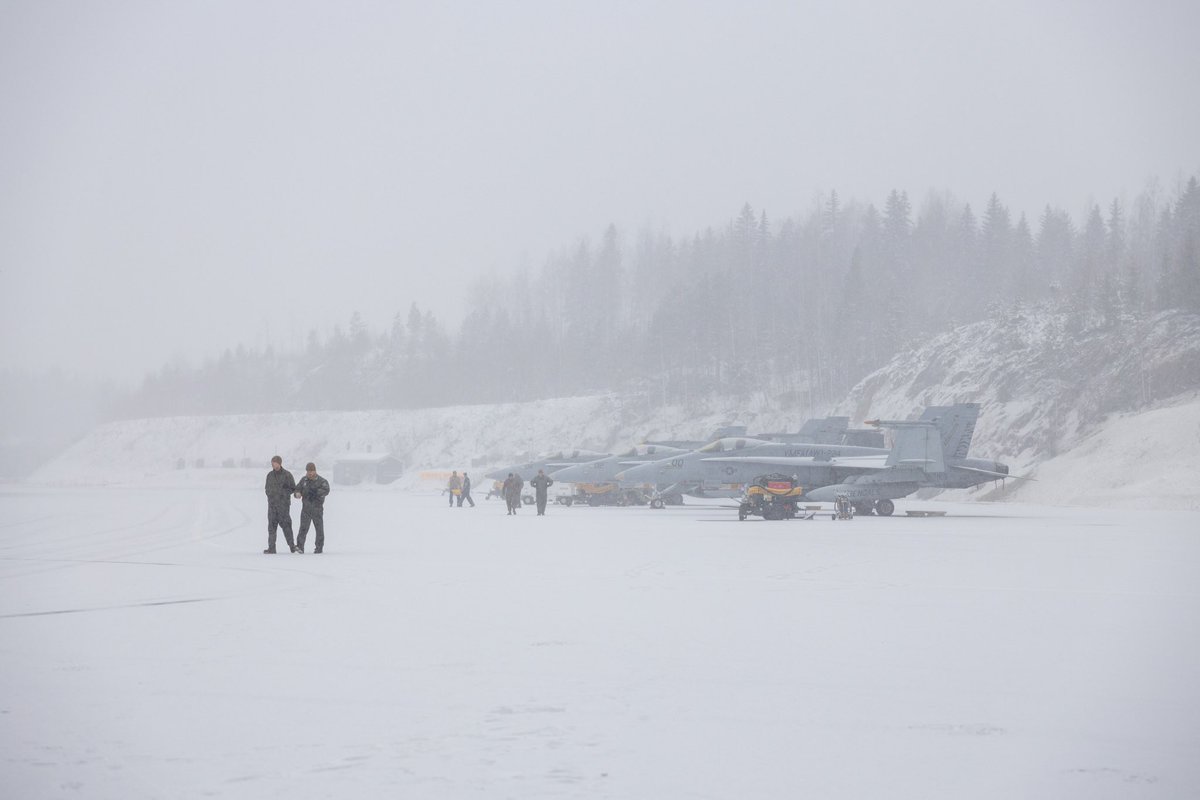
{"x": 352, "y": 468}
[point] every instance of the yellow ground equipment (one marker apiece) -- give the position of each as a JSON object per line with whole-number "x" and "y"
{"x": 606, "y": 494}
{"x": 771, "y": 496}
{"x": 843, "y": 508}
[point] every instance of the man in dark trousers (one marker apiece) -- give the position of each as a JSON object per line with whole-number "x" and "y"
{"x": 512, "y": 493}
{"x": 466, "y": 491}
{"x": 312, "y": 488}
{"x": 280, "y": 485}
{"x": 540, "y": 483}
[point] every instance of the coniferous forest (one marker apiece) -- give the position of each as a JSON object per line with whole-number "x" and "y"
{"x": 800, "y": 308}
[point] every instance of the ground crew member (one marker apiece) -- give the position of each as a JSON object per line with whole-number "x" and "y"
{"x": 466, "y": 491}
{"x": 540, "y": 483}
{"x": 454, "y": 487}
{"x": 279, "y": 488}
{"x": 312, "y": 489}
{"x": 512, "y": 492}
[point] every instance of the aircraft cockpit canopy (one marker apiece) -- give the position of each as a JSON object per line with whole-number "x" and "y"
{"x": 730, "y": 444}
{"x": 648, "y": 450}
{"x": 563, "y": 455}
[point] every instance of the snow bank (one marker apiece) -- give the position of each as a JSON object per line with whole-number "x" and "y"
{"x": 1145, "y": 460}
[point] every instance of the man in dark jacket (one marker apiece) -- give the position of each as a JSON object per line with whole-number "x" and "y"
{"x": 466, "y": 491}
{"x": 512, "y": 492}
{"x": 312, "y": 488}
{"x": 540, "y": 483}
{"x": 280, "y": 485}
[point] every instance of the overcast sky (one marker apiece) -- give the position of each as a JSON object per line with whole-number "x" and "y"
{"x": 178, "y": 177}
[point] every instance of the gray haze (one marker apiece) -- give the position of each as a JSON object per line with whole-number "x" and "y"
{"x": 179, "y": 177}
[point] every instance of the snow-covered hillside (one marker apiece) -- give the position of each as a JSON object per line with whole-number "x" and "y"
{"x": 1043, "y": 386}
{"x": 1127, "y": 396}
{"x": 1144, "y": 460}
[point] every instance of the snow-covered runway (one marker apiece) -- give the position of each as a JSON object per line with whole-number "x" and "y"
{"x": 151, "y": 650}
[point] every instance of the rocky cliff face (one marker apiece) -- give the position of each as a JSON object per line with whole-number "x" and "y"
{"x": 1044, "y": 381}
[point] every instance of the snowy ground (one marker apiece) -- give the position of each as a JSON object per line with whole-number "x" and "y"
{"x": 151, "y": 651}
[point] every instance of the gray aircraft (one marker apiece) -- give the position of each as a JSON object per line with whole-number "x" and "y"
{"x": 604, "y": 471}
{"x": 692, "y": 444}
{"x": 719, "y": 469}
{"x": 929, "y": 452}
{"x": 549, "y": 463}
{"x": 597, "y": 480}
{"x": 723, "y": 468}
{"x": 830, "y": 430}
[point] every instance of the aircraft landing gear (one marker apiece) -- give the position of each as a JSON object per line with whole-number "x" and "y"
{"x": 884, "y": 508}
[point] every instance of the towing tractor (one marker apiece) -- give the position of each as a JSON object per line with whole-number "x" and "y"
{"x": 773, "y": 496}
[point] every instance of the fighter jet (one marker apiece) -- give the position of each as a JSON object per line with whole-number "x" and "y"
{"x": 831, "y": 430}
{"x": 692, "y": 444}
{"x": 596, "y": 481}
{"x": 716, "y": 470}
{"x": 723, "y": 468}
{"x": 549, "y": 463}
{"x": 929, "y": 452}
{"x": 603, "y": 472}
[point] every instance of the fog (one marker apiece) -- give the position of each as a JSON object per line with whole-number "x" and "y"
{"x": 179, "y": 178}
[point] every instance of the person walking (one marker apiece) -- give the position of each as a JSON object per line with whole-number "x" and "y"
{"x": 312, "y": 489}
{"x": 466, "y": 491}
{"x": 454, "y": 487}
{"x": 540, "y": 483}
{"x": 279, "y": 488}
{"x": 512, "y": 493}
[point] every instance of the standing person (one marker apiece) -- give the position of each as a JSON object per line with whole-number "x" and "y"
{"x": 312, "y": 488}
{"x": 540, "y": 483}
{"x": 454, "y": 487}
{"x": 520, "y": 484}
{"x": 279, "y": 488}
{"x": 466, "y": 491}
{"x": 512, "y": 493}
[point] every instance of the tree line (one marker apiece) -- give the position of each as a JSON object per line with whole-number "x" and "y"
{"x": 799, "y": 309}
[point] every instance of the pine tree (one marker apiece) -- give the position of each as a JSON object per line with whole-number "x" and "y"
{"x": 1089, "y": 269}
{"x": 995, "y": 249}
{"x": 1024, "y": 263}
{"x": 1055, "y": 249}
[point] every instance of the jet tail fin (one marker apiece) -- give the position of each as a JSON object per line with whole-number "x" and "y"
{"x": 916, "y": 444}
{"x": 957, "y": 426}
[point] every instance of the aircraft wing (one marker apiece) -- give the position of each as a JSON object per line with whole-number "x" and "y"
{"x": 782, "y": 462}
{"x": 1004, "y": 475}
{"x": 550, "y": 466}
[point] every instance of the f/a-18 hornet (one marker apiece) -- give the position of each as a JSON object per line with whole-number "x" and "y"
{"x": 549, "y": 463}
{"x": 600, "y": 476}
{"x": 931, "y": 451}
